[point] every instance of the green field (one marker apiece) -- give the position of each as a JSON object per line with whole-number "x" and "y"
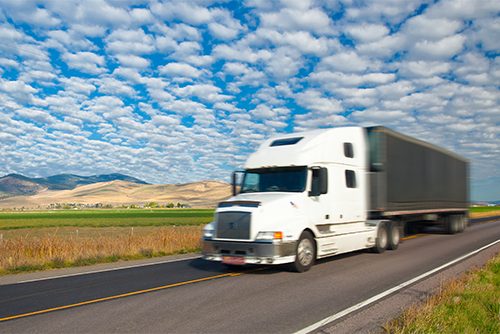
{"x": 104, "y": 218}
{"x": 480, "y": 209}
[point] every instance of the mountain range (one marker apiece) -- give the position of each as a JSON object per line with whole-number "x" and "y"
{"x": 18, "y": 191}
{"x": 16, "y": 184}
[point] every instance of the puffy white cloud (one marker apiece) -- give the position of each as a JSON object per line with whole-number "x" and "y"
{"x": 180, "y": 69}
{"x": 313, "y": 100}
{"x": 64, "y": 40}
{"x": 426, "y": 27}
{"x": 87, "y": 62}
{"x": 164, "y": 120}
{"x": 487, "y": 33}
{"x": 130, "y": 41}
{"x": 348, "y": 61}
{"x": 390, "y": 10}
{"x": 204, "y": 92}
{"x": 442, "y": 49}
{"x": 314, "y": 20}
{"x": 367, "y": 32}
{"x": 423, "y": 68}
{"x": 21, "y": 91}
{"x": 112, "y": 86}
{"x": 133, "y": 61}
{"x": 240, "y": 53}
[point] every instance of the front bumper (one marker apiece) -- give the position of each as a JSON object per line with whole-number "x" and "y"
{"x": 252, "y": 252}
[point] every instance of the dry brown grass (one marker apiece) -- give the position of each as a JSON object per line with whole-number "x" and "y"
{"x": 56, "y": 248}
{"x": 484, "y": 214}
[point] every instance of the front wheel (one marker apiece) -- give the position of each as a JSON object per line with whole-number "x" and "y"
{"x": 305, "y": 253}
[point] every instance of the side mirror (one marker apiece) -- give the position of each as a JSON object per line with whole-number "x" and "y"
{"x": 236, "y": 180}
{"x": 319, "y": 184}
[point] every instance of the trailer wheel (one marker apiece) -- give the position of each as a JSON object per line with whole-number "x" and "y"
{"x": 305, "y": 253}
{"x": 394, "y": 236}
{"x": 382, "y": 239}
{"x": 463, "y": 223}
{"x": 451, "y": 224}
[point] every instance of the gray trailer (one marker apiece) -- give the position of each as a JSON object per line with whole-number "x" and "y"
{"x": 412, "y": 180}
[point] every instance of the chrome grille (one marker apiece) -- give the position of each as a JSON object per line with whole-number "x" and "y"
{"x": 233, "y": 225}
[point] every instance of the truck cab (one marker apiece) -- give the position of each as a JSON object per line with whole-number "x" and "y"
{"x": 303, "y": 196}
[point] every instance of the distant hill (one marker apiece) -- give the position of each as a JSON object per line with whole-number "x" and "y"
{"x": 116, "y": 193}
{"x": 16, "y": 184}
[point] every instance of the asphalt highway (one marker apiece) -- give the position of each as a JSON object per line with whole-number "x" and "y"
{"x": 197, "y": 296}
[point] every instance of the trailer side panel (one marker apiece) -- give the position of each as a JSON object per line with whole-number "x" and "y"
{"x": 410, "y": 175}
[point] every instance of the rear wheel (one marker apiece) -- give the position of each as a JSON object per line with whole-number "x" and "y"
{"x": 394, "y": 236}
{"x": 305, "y": 253}
{"x": 382, "y": 239}
{"x": 462, "y": 222}
{"x": 451, "y": 224}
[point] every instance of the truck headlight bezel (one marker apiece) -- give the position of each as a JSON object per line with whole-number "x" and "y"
{"x": 269, "y": 236}
{"x": 209, "y": 231}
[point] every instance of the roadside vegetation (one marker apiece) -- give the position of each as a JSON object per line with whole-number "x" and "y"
{"x": 31, "y": 241}
{"x": 39, "y": 249}
{"x": 470, "y": 304}
{"x": 484, "y": 211}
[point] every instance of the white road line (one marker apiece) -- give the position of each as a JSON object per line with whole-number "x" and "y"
{"x": 109, "y": 269}
{"x": 375, "y": 298}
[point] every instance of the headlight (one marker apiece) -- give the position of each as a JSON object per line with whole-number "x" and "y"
{"x": 268, "y": 236}
{"x": 208, "y": 231}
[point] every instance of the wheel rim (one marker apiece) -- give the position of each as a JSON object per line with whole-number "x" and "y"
{"x": 395, "y": 235}
{"x": 305, "y": 252}
{"x": 383, "y": 238}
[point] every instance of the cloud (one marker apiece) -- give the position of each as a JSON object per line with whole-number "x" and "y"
{"x": 180, "y": 69}
{"x": 442, "y": 49}
{"x": 133, "y": 61}
{"x": 367, "y": 32}
{"x": 292, "y": 19}
{"x": 424, "y": 68}
{"x": 86, "y": 62}
{"x": 123, "y": 41}
{"x": 347, "y": 61}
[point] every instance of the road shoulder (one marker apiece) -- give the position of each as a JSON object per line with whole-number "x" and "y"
{"x": 372, "y": 318}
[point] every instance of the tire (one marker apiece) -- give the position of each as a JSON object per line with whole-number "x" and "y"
{"x": 394, "y": 236}
{"x": 305, "y": 253}
{"x": 381, "y": 243}
{"x": 463, "y": 223}
{"x": 450, "y": 224}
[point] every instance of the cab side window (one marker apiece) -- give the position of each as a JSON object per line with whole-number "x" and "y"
{"x": 348, "y": 150}
{"x": 350, "y": 179}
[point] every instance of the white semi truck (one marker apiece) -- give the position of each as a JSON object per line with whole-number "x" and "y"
{"x": 306, "y": 196}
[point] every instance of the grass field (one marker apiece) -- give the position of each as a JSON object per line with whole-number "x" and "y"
{"x": 53, "y": 239}
{"x": 47, "y": 248}
{"x": 104, "y": 218}
{"x": 470, "y": 304}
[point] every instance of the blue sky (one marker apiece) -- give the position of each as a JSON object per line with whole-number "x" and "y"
{"x": 179, "y": 91}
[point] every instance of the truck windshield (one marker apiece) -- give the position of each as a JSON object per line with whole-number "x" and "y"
{"x": 286, "y": 179}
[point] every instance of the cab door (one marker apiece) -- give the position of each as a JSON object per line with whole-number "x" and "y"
{"x": 319, "y": 200}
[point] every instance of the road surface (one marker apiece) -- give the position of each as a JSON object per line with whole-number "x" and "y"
{"x": 197, "y": 296}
